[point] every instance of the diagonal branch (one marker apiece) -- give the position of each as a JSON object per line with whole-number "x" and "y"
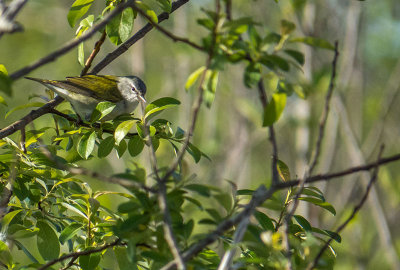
{"x": 166, "y": 32}
{"x": 139, "y": 35}
{"x": 325, "y": 113}
{"x": 356, "y": 209}
{"x": 71, "y": 44}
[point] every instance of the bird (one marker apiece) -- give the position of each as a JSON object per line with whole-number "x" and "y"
{"x": 85, "y": 92}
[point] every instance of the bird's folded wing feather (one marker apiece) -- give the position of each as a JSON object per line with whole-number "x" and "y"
{"x": 105, "y": 86}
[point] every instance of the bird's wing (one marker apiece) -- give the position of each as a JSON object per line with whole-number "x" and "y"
{"x": 105, "y": 85}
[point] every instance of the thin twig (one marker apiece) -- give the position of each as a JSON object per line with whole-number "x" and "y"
{"x": 139, "y": 35}
{"x": 356, "y": 209}
{"x": 162, "y": 199}
{"x": 166, "y": 32}
{"x": 295, "y": 201}
{"x": 272, "y": 139}
{"x": 197, "y": 104}
{"x": 330, "y": 176}
{"x": 95, "y": 51}
{"x": 325, "y": 113}
{"x": 80, "y": 253}
{"x": 71, "y": 44}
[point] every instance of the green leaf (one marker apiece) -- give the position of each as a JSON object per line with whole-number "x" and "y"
{"x": 194, "y": 77}
{"x": 123, "y": 129}
{"x": 194, "y": 152}
{"x": 252, "y": 74}
{"x": 335, "y": 236}
{"x": 200, "y": 189}
{"x": 91, "y": 261}
{"x": 287, "y": 27}
{"x": 102, "y": 109}
{"x": 160, "y": 104}
{"x": 265, "y": 221}
{"x": 77, "y": 10}
{"x": 303, "y": 222}
{"x": 135, "y": 146}
{"x": 126, "y": 24}
{"x": 319, "y": 203}
{"x": 70, "y": 231}
{"x": 81, "y": 54}
{"x": 9, "y": 217}
{"x": 315, "y": 42}
{"x": 121, "y": 148}
{"x": 47, "y": 241}
{"x": 298, "y": 56}
{"x": 124, "y": 262}
{"x": 211, "y": 83}
{"x": 3, "y": 101}
{"x": 165, "y": 5}
{"x": 283, "y": 170}
{"x": 149, "y": 12}
{"x": 271, "y": 61}
{"x": 28, "y": 105}
{"x": 5, "y": 81}
{"x": 5, "y": 255}
{"x": 245, "y": 192}
{"x": 86, "y": 144}
{"x": 120, "y": 27}
{"x": 105, "y": 147}
{"x": 274, "y": 109}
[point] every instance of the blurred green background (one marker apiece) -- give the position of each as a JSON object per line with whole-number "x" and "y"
{"x": 364, "y": 111}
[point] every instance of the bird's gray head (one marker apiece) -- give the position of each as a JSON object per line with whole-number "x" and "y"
{"x": 132, "y": 84}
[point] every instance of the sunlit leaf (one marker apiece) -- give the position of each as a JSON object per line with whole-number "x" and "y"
{"x": 77, "y": 10}
{"x": 123, "y": 129}
{"x": 274, "y": 109}
{"x": 194, "y": 77}
{"x": 315, "y": 42}
{"x": 86, "y": 144}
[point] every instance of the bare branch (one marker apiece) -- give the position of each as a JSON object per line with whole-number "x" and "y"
{"x": 330, "y": 176}
{"x": 71, "y": 44}
{"x": 352, "y": 215}
{"x": 81, "y": 253}
{"x": 18, "y": 125}
{"x": 166, "y": 32}
{"x": 272, "y": 139}
{"x": 325, "y": 113}
{"x": 139, "y": 35}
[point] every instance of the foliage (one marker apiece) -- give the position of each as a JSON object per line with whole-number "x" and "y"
{"x": 49, "y": 201}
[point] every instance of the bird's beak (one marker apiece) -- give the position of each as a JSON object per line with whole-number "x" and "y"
{"x": 142, "y": 99}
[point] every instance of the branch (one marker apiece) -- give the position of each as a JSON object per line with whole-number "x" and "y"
{"x": 7, "y": 25}
{"x": 30, "y": 117}
{"x": 95, "y": 51}
{"x": 325, "y": 113}
{"x": 352, "y": 215}
{"x": 71, "y": 44}
{"x": 162, "y": 199}
{"x": 262, "y": 194}
{"x": 309, "y": 171}
{"x": 330, "y": 176}
{"x": 272, "y": 139}
{"x": 166, "y": 32}
{"x": 259, "y": 196}
{"x": 80, "y": 253}
{"x": 139, "y": 35}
